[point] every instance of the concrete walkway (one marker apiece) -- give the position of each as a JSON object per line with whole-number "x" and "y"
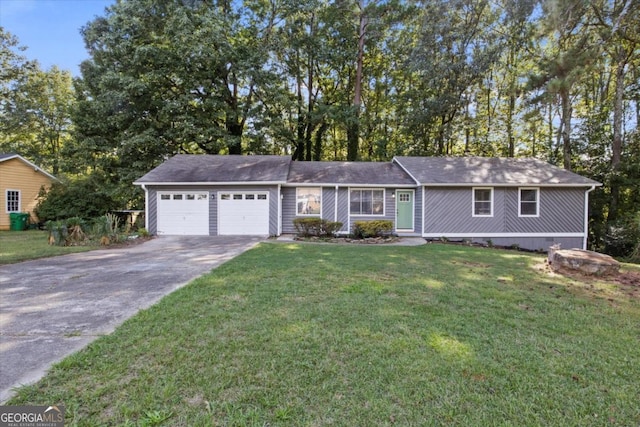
{"x": 52, "y": 307}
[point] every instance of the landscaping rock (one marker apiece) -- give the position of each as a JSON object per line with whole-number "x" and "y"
{"x": 585, "y": 262}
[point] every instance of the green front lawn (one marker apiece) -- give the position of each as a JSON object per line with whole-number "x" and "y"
{"x": 16, "y": 246}
{"x": 314, "y": 335}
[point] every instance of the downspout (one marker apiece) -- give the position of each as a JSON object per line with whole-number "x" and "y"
{"x": 423, "y": 208}
{"x": 146, "y": 207}
{"x": 280, "y": 197}
{"x": 586, "y": 216}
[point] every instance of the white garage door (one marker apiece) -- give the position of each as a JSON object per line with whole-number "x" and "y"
{"x": 183, "y": 212}
{"x": 243, "y": 213}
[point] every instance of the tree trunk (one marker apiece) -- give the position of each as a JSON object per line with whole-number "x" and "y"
{"x": 616, "y": 145}
{"x": 566, "y": 128}
{"x": 353, "y": 129}
{"x": 317, "y": 150}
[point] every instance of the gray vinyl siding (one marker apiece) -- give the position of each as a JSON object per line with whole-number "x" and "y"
{"x": 418, "y": 205}
{"x": 288, "y": 209}
{"x": 329, "y": 203}
{"x": 560, "y": 211}
{"x": 343, "y": 210}
{"x": 213, "y": 204}
{"x": 152, "y": 211}
{"x": 449, "y": 210}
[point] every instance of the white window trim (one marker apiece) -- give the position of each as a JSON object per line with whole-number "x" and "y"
{"x": 384, "y": 202}
{"x": 6, "y": 200}
{"x": 520, "y": 214}
{"x": 319, "y": 214}
{"x": 473, "y": 202}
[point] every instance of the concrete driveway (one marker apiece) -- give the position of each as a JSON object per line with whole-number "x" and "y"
{"x": 52, "y": 307}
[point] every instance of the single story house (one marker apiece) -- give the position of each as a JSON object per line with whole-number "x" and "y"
{"x": 20, "y": 184}
{"x": 507, "y": 201}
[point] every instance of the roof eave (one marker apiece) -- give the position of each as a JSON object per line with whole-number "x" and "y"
{"x": 209, "y": 183}
{"x": 347, "y": 184}
{"x": 512, "y": 184}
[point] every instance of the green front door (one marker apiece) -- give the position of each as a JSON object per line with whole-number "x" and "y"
{"x": 404, "y": 210}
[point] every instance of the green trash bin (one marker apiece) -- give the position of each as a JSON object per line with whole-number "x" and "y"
{"x": 18, "y": 221}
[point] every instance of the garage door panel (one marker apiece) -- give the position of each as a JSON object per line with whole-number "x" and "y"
{"x": 243, "y": 213}
{"x": 183, "y": 213}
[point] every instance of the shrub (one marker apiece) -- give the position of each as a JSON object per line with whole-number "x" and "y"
{"x": 58, "y": 232}
{"x": 85, "y": 198}
{"x": 76, "y": 230}
{"x": 106, "y": 228}
{"x": 377, "y": 228}
{"x": 306, "y": 227}
{"x": 622, "y": 237}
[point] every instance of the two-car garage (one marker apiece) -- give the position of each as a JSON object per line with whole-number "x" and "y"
{"x": 194, "y": 213}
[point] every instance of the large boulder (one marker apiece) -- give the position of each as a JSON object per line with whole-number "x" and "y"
{"x": 585, "y": 262}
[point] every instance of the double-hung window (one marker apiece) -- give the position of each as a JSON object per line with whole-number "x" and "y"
{"x": 483, "y": 202}
{"x": 366, "y": 202}
{"x": 13, "y": 201}
{"x": 308, "y": 200}
{"x": 528, "y": 202}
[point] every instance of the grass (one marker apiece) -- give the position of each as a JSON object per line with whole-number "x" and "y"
{"x": 311, "y": 335}
{"x": 17, "y": 246}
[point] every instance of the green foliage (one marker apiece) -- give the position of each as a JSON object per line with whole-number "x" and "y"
{"x": 76, "y": 227}
{"x": 106, "y": 229}
{"x": 318, "y": 227}
{"x": 623, "y": 238}
{"x": 58, "y": 232}
{"x": 85, "y": 198}
{"x": 376, "y": 228}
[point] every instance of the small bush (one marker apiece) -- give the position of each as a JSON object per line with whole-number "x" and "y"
{"x": 377, "y": 228}
{"x": 58, "y": 232}
{"x": 76, "y": 227}
{"x": 318, "y": 227}
{"x": 105, "y": 228}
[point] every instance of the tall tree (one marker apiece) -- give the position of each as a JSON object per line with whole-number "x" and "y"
{"x": 564, "y": 61}
{"x": 456, "y": 48}
{"x": 35, "y": 106}
{"x": 169, "y": 76}
{"x": 618, "y": 23}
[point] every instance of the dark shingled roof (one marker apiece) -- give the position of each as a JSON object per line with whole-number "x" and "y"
{"x": 488, "y": 171}
{"x": 358, "y": 173}
{"x": 185, "y": 168}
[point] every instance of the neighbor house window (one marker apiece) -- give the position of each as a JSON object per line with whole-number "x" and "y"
{"x": 366, "y": 202}
{"x": 309, "y": 200}
{"x": 529, "y": 202}
{"x": 13, "y": 200}
{"x": 483, "y": 202}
